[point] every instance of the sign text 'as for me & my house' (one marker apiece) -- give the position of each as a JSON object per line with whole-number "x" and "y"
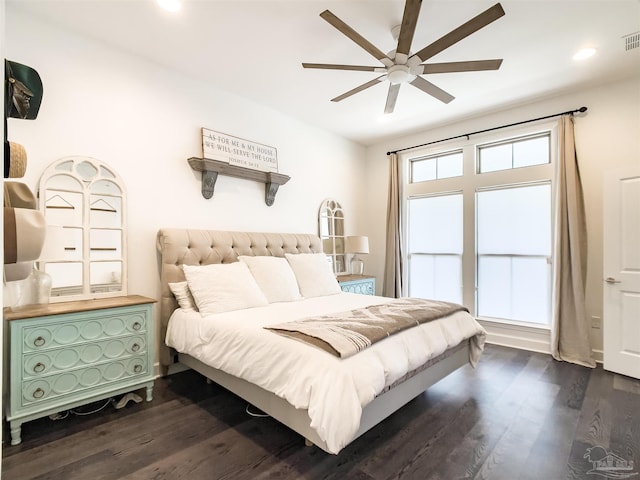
{"x": 238, "y": 151}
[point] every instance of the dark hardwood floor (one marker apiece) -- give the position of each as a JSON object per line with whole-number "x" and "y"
{"x": 519, "y": 415}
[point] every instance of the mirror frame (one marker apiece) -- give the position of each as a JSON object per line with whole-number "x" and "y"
{"x": 87, "y": 172}
{"x": 332, "y": 234}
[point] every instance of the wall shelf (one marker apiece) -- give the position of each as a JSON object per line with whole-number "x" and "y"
{"x": 211, "y": 168}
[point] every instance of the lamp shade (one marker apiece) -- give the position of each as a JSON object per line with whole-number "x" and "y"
{"x": 357, "y": 244}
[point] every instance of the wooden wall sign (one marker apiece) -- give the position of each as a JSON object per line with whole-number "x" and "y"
{"x": 238, "y": 151}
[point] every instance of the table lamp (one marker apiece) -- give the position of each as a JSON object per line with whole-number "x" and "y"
{"x": 357, "y": 245}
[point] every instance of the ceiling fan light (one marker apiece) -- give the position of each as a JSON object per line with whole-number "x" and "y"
{"x": 398, "y": 74}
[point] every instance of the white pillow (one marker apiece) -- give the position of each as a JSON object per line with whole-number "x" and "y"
{"x": 314, "y": 274}
{"x": 183, "y": 295}
{"x": 224, "y": 287}
{"x": 274, "y": 277}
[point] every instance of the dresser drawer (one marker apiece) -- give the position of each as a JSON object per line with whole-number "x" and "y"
{"x": 62, "y": 359}
{"x": 74, "y": 383}
{"x": 78, "y": 329}
{"x": 362, "y": 285}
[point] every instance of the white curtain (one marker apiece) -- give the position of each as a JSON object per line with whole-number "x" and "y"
{"x": 570, "y": 329}
{"x": 392, "y": 284}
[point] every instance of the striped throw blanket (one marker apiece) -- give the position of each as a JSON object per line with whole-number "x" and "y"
{"x": 346, "y": 333}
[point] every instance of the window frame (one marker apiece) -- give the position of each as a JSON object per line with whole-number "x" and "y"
{"x": 469, "y": 184}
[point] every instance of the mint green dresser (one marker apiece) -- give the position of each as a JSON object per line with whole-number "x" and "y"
{"x": 64, "y": 355}
{"x": 362, "y": 284}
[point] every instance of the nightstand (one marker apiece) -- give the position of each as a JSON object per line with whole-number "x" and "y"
{"x": 63, "y": 355}
{"x": 362, "y": 284}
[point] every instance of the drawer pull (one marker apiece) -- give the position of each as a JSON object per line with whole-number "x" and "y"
{"x": 38, "y": 367}
{"x": 135, "y": 347}
{"x": 39, "y": 393}
{"x": 137, "y": 326}
{"x": 137, "y": 368}
{"x": 39, "y": 341}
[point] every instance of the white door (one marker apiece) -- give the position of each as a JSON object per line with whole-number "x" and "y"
{"x": 621, "y": 321}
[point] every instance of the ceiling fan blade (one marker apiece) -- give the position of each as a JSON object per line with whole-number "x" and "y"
{"x": 408, "y": 26}
{"x": 463, "y": 31}
{"x": 469, "y": 66}
{"x": 331, "y": 66}
{"x": 364, "y": 86}
{"x": 392, "y": 96}
{"x": 432, "y": 90}
{"x": 356, "y": 37}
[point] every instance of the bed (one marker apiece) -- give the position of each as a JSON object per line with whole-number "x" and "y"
{"x": 329, "y": 400}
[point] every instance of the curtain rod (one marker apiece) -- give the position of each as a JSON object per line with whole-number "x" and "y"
{"x": 581, "y": 110}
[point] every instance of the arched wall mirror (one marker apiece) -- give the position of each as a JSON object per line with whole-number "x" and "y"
{"x": 84, "y": 203}
{"x": 331, "y": 231}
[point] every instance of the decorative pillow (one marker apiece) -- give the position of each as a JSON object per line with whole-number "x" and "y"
{"x": 314, "y": 274}
{"x": 274, "y": 277}
{"x": 183, "y": 295}
{"x": 224, "y": 287}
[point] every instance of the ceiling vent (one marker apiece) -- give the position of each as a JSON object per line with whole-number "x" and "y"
{"x": 631, "y": 41}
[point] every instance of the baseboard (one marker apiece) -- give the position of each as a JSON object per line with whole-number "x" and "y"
{"x": 534, "y": 339}
{"x": 598, "y": 356}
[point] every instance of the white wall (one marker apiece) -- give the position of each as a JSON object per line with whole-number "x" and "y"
{"x": 607, "y": 137}
{"x": 144, "y": 121}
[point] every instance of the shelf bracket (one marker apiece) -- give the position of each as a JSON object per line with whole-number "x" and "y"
{"x": 208, "y": 183}
{"x": 270, "y": 190}
{"x": 211, "y": 168}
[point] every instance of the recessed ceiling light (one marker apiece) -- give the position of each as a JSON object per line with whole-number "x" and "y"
{"x": 170, "y": 5}
{"x": 584, "y": 53}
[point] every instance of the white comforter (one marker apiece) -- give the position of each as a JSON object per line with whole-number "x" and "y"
{"x": 333, "y": 390}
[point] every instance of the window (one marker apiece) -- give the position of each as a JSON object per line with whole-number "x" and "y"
{"x": 483, "y": 236}
{"x": 514, "y": 253}
{"x": 522, "y": 152}
{"x": 435, "y": 247}
{"x": 433, "y": 167}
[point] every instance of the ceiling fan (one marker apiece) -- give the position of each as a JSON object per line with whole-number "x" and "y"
{"x": 402, "y": 66}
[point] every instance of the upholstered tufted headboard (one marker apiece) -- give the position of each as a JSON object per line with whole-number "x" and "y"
{"x": 178, "y": 247}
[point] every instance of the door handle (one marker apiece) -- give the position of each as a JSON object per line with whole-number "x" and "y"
{"x": 611, "y": 280}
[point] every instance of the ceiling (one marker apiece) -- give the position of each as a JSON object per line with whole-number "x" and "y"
{"x": 255, "y": 49}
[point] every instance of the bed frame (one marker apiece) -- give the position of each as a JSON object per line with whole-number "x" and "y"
{"x": 178, "y": 247}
